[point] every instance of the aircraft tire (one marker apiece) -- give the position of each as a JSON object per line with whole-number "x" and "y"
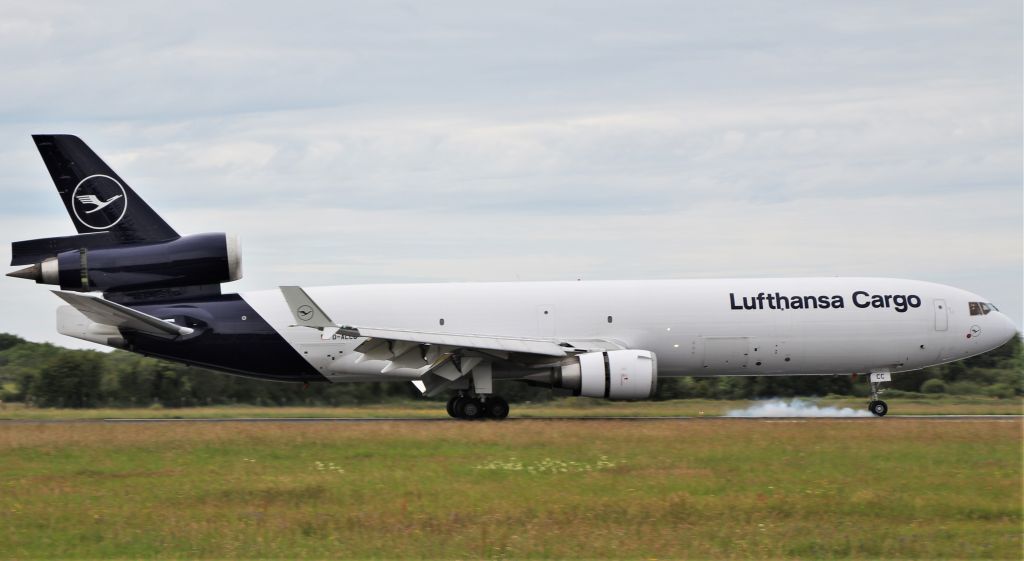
{"x": 496, "y": 407}
{"x": 450, "y": 407}
{"x": 469, "y": 408}
{"x": 878, "y": 408}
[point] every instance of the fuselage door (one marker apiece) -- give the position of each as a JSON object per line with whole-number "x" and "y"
{"x": 941, "y": 315}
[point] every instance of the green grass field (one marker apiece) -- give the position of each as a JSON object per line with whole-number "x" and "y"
{"x": 703, "y": 489}
{"x": 575, "y": 407}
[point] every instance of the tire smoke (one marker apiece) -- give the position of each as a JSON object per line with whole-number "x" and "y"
{"x": 776, "y": 407}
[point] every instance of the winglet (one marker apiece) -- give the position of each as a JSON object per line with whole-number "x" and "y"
{"x": 308, "y": 314}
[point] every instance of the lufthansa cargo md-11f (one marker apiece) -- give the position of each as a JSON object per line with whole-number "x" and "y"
{"x": 161, "y": 297}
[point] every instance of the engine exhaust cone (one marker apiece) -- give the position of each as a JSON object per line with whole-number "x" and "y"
{"x": 32, "y": 272}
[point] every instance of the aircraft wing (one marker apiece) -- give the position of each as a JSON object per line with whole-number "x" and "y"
{"x": 486, "y": 342}
{"x": 444, "y": 360}
{"x": 308, "y": 314}
{"x": 111, "y": 313}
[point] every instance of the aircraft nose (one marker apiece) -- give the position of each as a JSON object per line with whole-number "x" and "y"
{"x": 1005, "y": 329}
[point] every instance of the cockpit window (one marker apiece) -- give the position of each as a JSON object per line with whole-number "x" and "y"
{"x": 981, "y": 308}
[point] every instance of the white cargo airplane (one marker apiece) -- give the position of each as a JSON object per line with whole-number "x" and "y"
{"x": 602, "y": 339}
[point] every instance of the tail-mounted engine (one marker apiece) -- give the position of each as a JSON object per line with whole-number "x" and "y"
{"x": 123, "y": 247}
{"x": 622, "y": 374}
{"x": 196, "y": 260}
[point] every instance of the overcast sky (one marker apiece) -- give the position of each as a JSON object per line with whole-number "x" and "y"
{"x": 360, "y": 142}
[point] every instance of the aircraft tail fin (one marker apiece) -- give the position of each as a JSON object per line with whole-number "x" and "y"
{"x": 96, "y": 198}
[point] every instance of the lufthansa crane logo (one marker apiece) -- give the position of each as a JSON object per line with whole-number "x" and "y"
{"x": 305, "y": 313}
{"x": 99, "y": 202}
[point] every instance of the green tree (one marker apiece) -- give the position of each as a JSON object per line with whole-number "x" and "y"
{"x": 934, "y": 385}
{"x": 7, "y": 341}
{"x": 69, "y": 380}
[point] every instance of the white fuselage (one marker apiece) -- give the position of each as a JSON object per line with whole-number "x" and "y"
{"x": 710, "y": 327}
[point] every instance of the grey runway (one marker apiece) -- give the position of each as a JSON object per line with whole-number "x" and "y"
{"x": 894, "y": 418}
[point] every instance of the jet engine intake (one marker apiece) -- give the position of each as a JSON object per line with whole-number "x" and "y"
{"x": 622, "y": 374}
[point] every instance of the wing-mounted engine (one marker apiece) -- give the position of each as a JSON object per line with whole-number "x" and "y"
{"x": 617, "y": 374}
{"x": 196, "y": 260}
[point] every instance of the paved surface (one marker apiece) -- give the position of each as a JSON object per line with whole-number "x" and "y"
{"x": 893, "y": 418}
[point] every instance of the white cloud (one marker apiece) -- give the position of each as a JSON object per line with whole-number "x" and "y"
{"x": 366, "y": 142}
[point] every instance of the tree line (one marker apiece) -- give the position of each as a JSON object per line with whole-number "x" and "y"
{"x": 45, "y": 375}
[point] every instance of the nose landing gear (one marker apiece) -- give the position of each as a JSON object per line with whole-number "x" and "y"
{"x": 878, "y": 407}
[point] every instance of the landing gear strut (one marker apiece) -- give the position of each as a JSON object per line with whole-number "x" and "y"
{"x": 462, "y": 406}
{"x": 877, "y": 407}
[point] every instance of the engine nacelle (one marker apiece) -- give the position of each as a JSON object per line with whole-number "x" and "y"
{"x": 200, "y": 259}
{"x": 624, "y": 374}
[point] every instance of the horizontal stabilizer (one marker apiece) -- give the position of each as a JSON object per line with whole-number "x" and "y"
{"x": 105, "y": 312}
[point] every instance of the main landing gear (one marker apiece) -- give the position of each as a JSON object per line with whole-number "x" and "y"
{"x": 462, "y": 406}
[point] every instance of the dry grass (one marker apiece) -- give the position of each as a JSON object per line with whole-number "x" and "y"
{"x": 532, "y": 489}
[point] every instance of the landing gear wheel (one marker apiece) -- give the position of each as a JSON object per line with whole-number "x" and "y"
{"x": 495, "y": 407}
{"x": 450, "y": 407}
{"x": 469, "y": 408}
{"x": 878, "y": 408}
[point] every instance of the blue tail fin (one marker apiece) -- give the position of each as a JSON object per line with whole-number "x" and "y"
{"x": 96, "y": 198}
